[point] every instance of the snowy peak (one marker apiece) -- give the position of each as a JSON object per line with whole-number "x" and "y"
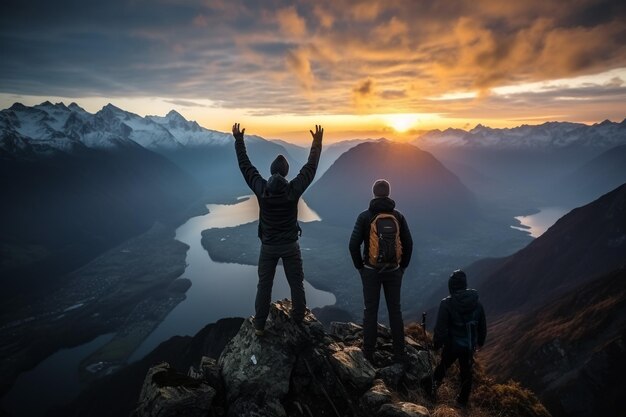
{"x": 549, "y": 135}
{"x": 174, "y": 115}
{"x": 63, "y": 128}
{"x": 190, "y": 133}
{"x": 75, "y": 107}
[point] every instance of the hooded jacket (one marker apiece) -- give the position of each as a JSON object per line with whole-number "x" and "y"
{"x": 454, "y": 312}
{"x": 360, "y": 234}
{"x": 278, "y": 198}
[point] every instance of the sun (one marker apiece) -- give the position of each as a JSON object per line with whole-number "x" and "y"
{"x": 401, "y": 122}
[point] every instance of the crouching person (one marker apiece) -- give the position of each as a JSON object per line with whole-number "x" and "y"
{"x": 461, "y": 330}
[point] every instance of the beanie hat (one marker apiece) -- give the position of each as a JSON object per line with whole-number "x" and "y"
{"x": 457, "y": 281}
{"x": 381, "y": 188}
{"x": 280, "y": 166}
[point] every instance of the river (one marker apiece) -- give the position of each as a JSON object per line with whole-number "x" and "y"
{"x": 222, "y": 289}
{"x": 218, "y": 290}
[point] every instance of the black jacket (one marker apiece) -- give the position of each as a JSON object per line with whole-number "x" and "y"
{"x": 454, "y": 311}
{"x": 278, "y": 198}
{"x": 360, "y": 234}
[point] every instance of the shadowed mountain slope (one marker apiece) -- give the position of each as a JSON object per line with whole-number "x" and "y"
{"x": 572, "y": 352}
{"x": 588, "y": 241}
{"x": 430, "y": 195}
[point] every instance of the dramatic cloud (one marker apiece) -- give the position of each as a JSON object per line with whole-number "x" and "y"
{"x": 327, "y": 56}
{"x": 290, "y": 23}
{"x": 298, "y": 62}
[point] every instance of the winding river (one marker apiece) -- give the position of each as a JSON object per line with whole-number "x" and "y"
{"x": 218, "y": 290}
{"x": 222, "y": 289}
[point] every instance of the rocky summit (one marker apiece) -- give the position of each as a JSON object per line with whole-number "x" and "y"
{"x": 292, "y": 370}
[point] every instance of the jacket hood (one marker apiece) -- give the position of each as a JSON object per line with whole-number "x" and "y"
{"x": 465, "y": 301}
{"x": 277, "y": 184}
{"x": 382, "y": 205}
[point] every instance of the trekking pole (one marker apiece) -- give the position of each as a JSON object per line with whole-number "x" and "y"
{"x": 433, "y": 388}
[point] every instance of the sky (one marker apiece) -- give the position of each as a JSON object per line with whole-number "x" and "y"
{"x": 388, "y": 68}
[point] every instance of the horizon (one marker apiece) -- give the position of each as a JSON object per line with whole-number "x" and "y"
{"x": 360, "y": 69}
{"x": 404, "y": 139}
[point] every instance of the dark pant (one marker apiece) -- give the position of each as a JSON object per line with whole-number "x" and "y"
{"x": 292, "y": 262}
{"x": 448, "y": 356}
{"x": 391, "y": 282}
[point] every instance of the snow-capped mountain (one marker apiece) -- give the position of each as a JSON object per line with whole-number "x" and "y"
{"x": 49, "y": 127}
{"x": 549, "y": 135}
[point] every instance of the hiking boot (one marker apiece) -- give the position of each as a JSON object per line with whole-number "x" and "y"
{"x": 259, "y": 332}
{"x": 297, "y": 318}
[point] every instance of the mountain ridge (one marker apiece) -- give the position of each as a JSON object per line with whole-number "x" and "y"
{"x": 549, "y": 135}
{"x": 427, "y": 192}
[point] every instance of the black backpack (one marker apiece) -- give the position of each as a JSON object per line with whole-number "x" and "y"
{"x": 385, "y": 248}
{"x": 467, "y": 324}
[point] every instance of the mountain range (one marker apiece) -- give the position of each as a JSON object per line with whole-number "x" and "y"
{"x": 64, "y": 127}
{"x": 530, "y": 164}
{"x": 549, "y": 135}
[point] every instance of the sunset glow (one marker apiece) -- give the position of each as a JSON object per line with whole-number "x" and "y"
{"x": 401, "y": 122}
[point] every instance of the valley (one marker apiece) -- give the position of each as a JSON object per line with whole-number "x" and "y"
{"x": 127, "y": 292}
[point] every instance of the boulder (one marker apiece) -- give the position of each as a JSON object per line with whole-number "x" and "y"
{"x": 166, "y": 392}
{"x": 403, "y": 409}
{"x": 353, "y": 368}
{"x": 257, "y": 370}
{"x": 374, "y": 398}
{"x": 295, "y": 370}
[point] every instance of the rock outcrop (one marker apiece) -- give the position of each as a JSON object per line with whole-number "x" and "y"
{"x": 166, "y": 392}
{"x": 293, "y": 370}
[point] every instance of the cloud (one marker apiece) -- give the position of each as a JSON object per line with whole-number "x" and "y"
{"x": 290, "y": 23}
{"x": 363, "y": 94}
{"x": 365, "y": 10}
{"x": 299, "y": 64}
{"x": 393, "y": 94}
{"x": 312, "y": 57}
{"x": 325, "y": 18}
{"x": 200, "y": 21}
{"x": 184, "y": 103}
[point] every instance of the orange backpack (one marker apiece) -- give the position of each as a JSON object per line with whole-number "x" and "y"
{"x": 385, "y": 249}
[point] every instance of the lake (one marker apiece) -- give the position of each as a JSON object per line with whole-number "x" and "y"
{"x": 536, "y": 224}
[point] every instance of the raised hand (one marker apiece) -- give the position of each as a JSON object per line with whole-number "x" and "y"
{"x": 319, "y": 133}
{"x": 237, "y": 133}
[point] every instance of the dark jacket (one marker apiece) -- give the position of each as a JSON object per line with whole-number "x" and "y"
{"x": 361, "y": 232}
{"x": 454, "y": 312}
{"x": 278, "y": 198}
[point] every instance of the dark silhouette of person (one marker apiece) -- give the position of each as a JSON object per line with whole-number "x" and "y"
{"x": 375, "y": 276}
{"x": 278, "y": 223}
{"x": 461, "y": 330}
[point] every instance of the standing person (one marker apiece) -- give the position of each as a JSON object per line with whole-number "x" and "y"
{"x": 461, "y": 329}
{"x": 278, "y": 224}
{"x": 387, "y": 248}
